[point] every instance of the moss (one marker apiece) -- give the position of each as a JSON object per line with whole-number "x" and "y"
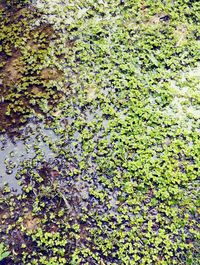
{"x": 116, "y": 85}
{"x": 27, "y": 55}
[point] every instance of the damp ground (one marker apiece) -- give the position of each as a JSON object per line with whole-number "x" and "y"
{"x": 99, "y": 132}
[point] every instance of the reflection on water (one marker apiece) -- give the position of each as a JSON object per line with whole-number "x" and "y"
{"x": 34, "y": 138}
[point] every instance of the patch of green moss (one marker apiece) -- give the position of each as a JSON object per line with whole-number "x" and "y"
{"x": 118, "y": 83}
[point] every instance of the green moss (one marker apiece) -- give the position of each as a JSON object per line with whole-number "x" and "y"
{"x": 118, "y": 83}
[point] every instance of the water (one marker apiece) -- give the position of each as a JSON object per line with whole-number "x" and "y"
{"x": 14, "y": 151}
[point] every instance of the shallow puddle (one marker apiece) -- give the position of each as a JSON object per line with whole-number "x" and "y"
{"x": 17, "y": 149}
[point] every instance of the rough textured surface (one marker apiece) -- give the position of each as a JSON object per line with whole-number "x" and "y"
{"x": 102, "y": 97}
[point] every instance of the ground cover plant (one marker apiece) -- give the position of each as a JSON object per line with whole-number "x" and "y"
{"x": 100, "y": 126}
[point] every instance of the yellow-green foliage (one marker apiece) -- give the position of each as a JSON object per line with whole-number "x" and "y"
{"x": 118, "y": 82}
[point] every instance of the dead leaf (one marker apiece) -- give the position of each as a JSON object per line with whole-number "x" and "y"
{"x": 31, "y": 223}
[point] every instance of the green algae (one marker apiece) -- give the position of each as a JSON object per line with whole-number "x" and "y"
{"x": 122, "y": 186}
